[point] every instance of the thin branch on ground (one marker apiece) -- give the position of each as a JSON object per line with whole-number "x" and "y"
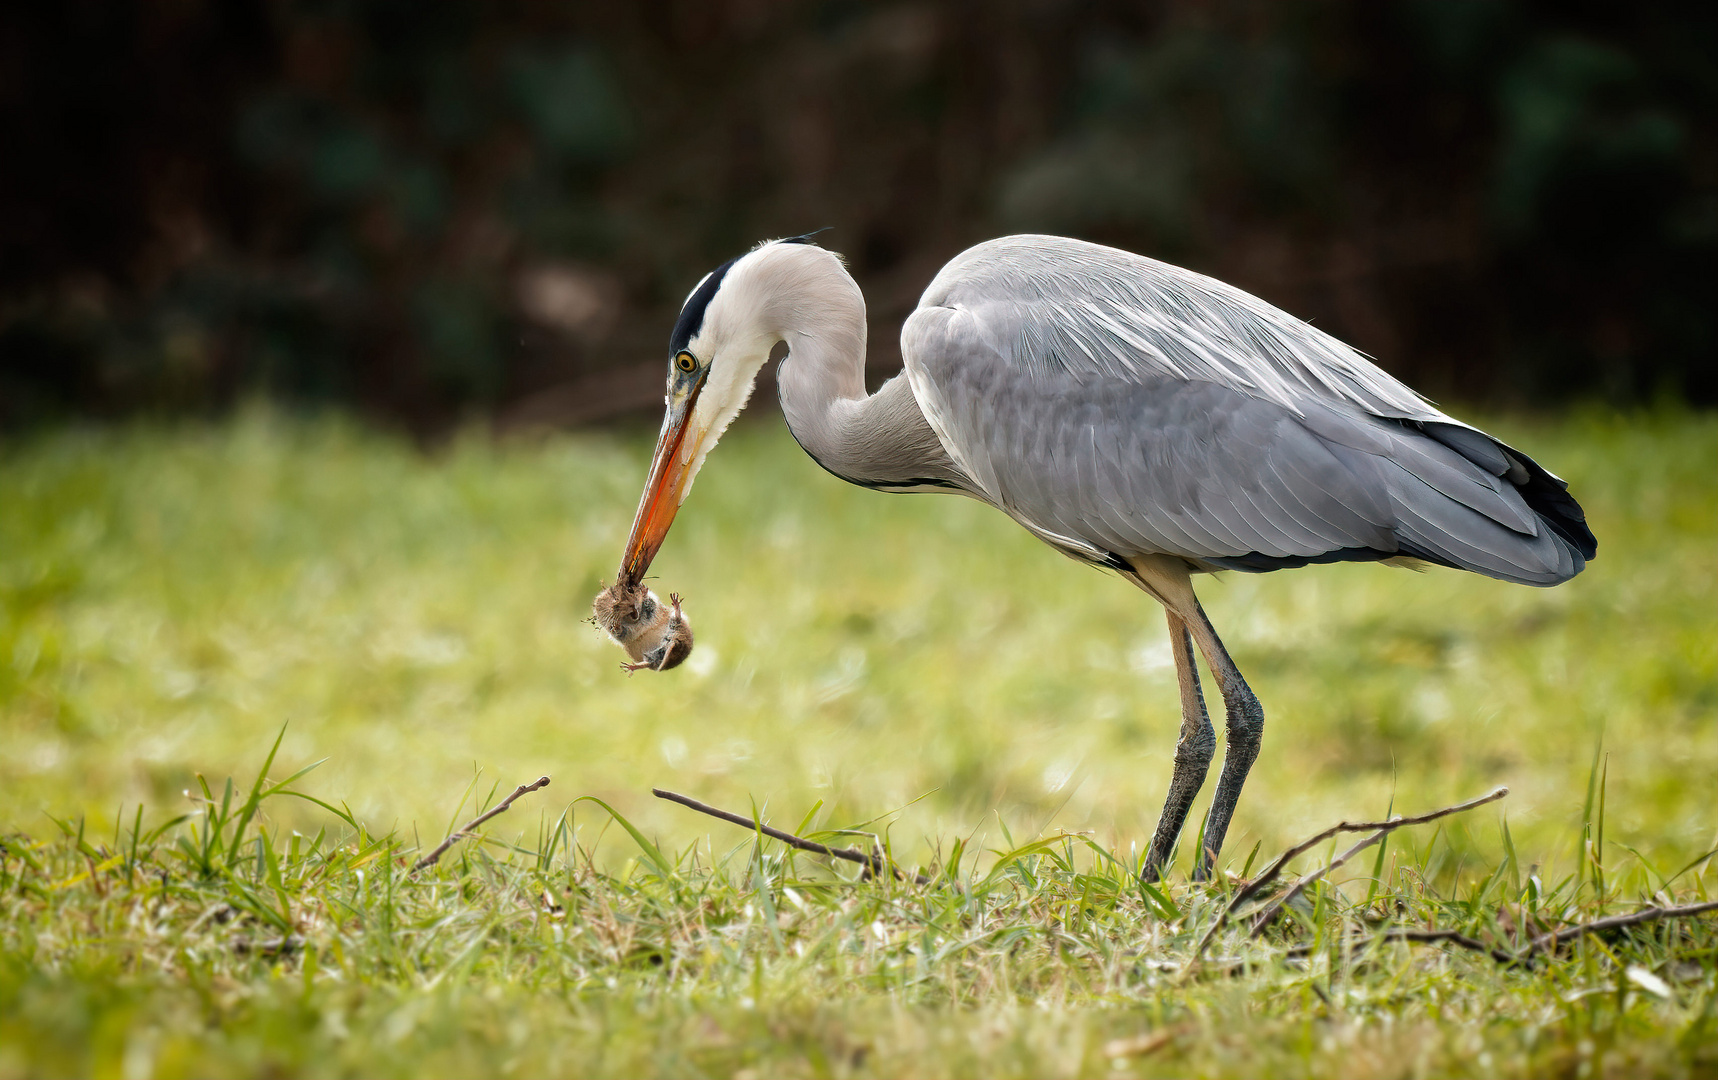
{"x": 465, "y": 830}
{"x": 1144, "y": 1045}
{"x": 1646, "y": 914}
{"x": 1271, "y": 872}
{"x": 1544, "y": 941}
{"x": 1270, "y": 912}
{"x": 1454, "y": 937}
{"x": 1525, "y": 957}
{"x": 871, "y": 862}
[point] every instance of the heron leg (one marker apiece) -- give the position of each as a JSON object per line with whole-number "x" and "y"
{"x": 1244, "y": 728}
{"x": 1193, "y": 752}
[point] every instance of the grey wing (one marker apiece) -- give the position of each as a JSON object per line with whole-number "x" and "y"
{"x": 1109, "y": 465}
{"x": 1051, "y": 305}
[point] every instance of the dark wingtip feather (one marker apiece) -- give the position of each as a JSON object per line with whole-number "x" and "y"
{"x": 1549, "y": 497}
{"x": 1543, "y": 493}
{"x": 1436, "y": 524}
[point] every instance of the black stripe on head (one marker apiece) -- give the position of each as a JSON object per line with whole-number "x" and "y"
{"x": 692, "y": 315}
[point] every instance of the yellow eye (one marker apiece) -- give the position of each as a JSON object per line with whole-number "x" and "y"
{"x": 685, "y": 362}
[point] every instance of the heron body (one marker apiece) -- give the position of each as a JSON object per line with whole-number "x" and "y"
{"x": 1130, "y": 414}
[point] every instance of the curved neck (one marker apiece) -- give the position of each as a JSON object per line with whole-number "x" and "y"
{"x": 823, "y": 375}
{"x": 875, "y": 440}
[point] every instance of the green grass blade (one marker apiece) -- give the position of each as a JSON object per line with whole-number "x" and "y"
{"x": 1584, "y": 853}
{"x": 254, "y": 799}
{"x": 651, "y": 852}
{"x": 1372, "y": 886}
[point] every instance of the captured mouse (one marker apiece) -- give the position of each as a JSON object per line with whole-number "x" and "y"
{"x": 657, "y": 636}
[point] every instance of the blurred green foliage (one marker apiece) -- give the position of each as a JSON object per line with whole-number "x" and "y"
{"x": 423, "y": 210}
{"x": 170, "y": 596}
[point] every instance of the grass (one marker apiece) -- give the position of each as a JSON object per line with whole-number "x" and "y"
{"x": 916, "y": 667}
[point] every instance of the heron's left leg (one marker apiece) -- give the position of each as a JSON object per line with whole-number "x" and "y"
{"x": 1193, "y": 751}
{"x": 1245, "y": 724}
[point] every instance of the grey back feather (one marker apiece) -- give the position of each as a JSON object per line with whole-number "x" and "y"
{"x": 1119, "y": 406}
{"x": 1057, "y": 306}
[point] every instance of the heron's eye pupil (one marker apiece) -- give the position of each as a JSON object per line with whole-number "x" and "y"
{"x": 685, "y": 362}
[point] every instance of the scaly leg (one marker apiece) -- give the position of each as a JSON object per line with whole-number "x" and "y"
{"x": 1193, "y": 752}
{"x": 1245, "y": 726}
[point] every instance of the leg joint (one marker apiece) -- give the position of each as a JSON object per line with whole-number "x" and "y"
{"x": 1244, "y": 717}
{"x": 1196, "y": 748}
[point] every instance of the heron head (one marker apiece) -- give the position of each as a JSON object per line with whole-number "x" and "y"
{"x": 726, "y": 329}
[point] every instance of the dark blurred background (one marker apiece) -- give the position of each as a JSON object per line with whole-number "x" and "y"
{"x": 427, "y": 211}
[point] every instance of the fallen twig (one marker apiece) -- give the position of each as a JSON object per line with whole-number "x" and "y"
{"x": 871, "y": 862}
{"x": 465, "y": 830}
{"x": 1271, "y": 872}
{"x": 1270, "y": 912}
{"x": 1541, "y": 943}
{"x": 1426, "y": 937}
{"x": 1142, "y": 1045}
{"x": 1454, "y": 938}
{"x": 1646, "y": 914}
{"x": 275, "y": 946}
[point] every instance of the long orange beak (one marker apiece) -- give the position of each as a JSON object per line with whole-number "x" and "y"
{"x": 670, "y": 470}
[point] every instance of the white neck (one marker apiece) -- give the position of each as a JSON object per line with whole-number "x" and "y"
{"x": 801, "y": 294}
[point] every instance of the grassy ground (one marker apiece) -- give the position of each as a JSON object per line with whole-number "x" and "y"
{"x": 170, "y": 598}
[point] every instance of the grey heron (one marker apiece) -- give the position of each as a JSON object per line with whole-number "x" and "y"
{"x": 1130, "y": 414}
